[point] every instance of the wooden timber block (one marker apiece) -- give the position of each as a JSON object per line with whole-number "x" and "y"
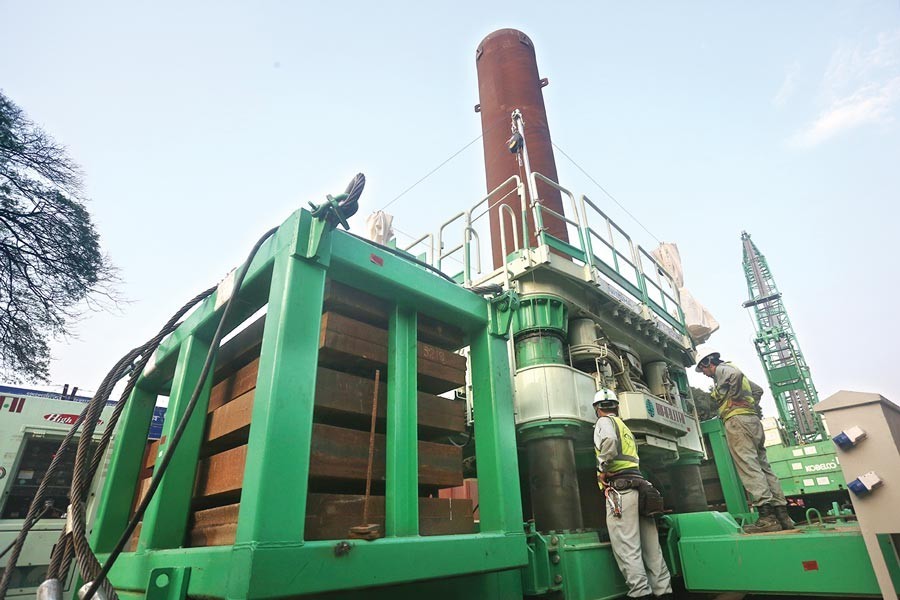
{"x": 360, "y": 348}
{"x": 336, "y": 393}
{"x": 339, "y": 453}
{"x": 142, "y": 486}
{"x": 131, "y": 545}
{"x": 361, "y": 306}
{"x": 213, "y": 526}
{"x": 330, "y": 517}
{"x": 229, "y": 425}
{"x": 234, "y": 385}
{"x": 336, "y": 453}
{"x": 243, "y": 347}
{"x": 342, "y": 394}
{"x": 149, "y": 458}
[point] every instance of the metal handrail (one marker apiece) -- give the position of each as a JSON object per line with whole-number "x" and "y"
{"x": 440, "y": 239}
{"x": 427, "y": 236}
{"x": 539, "y": 209}
{"x": 468, "y": 234}
{"x": 632, "y": 276}
{"x": 503, "y": 249}
{"x": 656, "y": 283}
{"x": 470, "y": 220}
{"x": 610, "y": 243}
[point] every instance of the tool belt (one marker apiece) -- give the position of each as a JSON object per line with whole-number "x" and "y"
{"x": 650, "y": 501}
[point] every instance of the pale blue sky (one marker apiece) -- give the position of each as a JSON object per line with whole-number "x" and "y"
{"x": 200, "y": 126}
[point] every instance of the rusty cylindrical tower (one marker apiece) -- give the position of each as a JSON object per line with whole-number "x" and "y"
{"x": 507, "y": 80}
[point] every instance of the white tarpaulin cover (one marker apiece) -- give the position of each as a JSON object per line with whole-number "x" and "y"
{"x": 378, "y": 227}
{"x": 700, "y": 322}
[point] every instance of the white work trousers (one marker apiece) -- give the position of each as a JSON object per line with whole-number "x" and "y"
{"x": 635, "y": 544}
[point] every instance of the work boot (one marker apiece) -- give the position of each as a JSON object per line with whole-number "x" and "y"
{"x": 784, "y": 519}
{"x": 766, "y": 522}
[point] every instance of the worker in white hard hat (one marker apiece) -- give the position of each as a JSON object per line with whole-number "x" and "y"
{"x": 738, "y": 402}
{"x": 634, "y": 538}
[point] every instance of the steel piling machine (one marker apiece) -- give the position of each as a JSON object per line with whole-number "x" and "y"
{"x": 314, "y": 452}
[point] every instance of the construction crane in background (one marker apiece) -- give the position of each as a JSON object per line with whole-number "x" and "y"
{"x": 779, "y": 351}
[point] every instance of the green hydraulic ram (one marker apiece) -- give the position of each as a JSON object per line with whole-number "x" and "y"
{"x": 270, "y": 557}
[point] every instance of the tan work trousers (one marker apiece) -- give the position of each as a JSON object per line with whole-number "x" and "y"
{"x": 746, "y": 441}
{"x": 635, "y": 544}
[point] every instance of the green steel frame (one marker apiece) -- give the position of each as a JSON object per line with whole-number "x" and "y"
{"x": 732, "y": 488}
{"x": 779, "y": 351}
{"x": 270, "y": 557}
{"x": 710, "y": 552}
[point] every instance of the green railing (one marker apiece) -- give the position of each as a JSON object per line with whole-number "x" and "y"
{"x": 627, "y": 271}
{"x": 605, "y": 246}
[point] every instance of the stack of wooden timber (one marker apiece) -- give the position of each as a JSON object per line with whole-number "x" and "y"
{"x": 352, "y": 346}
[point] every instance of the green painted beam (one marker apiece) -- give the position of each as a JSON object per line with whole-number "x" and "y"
{"x": 125, "y": 464}
{"x": 402, "y": 460}
{"x": 278, "y": 570}
{"x": 204, "y": 319}
{"x": 732, "y": 488}
{"x": 165, "y": 521}
{"x": 500, "y": 504}
{"x": 275, "y": 476}
{"x": 716, "y": 557}
{"x": 384, "y": 274}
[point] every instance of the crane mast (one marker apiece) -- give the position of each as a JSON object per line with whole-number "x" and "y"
{"x": 779, "y": 351}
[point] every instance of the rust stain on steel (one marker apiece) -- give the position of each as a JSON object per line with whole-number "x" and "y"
{"x": 508, "y": 79}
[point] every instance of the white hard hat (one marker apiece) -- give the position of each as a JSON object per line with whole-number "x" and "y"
{"x": 606, "y": 398}
{"x": 706, "y": 353}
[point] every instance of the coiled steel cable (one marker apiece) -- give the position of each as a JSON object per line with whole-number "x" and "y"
{"x": 34, "y": 508}
{"x": 75, "y": 542}
{"x": 59, "y": 563}
{"x": 99, "y": 579}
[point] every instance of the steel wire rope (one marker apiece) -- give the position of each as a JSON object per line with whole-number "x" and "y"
{"x": 444, "y": 162}
{"x": 333, "y": 212}
{"x": 603, "y": 189}
{"x": 405, "y": 256}
{"x": 74, "y": 543}
{"x": 19, "y": 542}
{"x": 48, "y": 505}
{"x": 121, "y": 369}
{"x": 133, "y": 363}
{"x": 166, "y": 458}
{"x": 481, "y": 214}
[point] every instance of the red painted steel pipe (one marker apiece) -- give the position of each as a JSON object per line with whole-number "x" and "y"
{"x": 508, "y": 79}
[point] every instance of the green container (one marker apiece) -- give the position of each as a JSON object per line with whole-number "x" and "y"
{"x": 539, "y": 313}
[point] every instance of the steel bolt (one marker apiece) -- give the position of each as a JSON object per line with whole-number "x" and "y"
{"x": 554, "y": 540}
{"x": 555, "y": 559}
{"x": 557, "y": 579}
{"x": 342, "y": 549}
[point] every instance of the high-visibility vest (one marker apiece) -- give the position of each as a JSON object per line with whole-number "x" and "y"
{"x": 626, "y": 448}
{"x": 729, "y": 408}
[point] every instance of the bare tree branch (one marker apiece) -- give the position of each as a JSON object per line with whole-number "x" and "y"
{"x": 51, "y": 266}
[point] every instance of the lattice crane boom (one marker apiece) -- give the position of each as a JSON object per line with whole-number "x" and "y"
{"x": 779, "y": 351}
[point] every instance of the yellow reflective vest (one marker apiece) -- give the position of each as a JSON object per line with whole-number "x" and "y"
{"x": 733, "y": 397}
{"x": 626, "y": 449}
